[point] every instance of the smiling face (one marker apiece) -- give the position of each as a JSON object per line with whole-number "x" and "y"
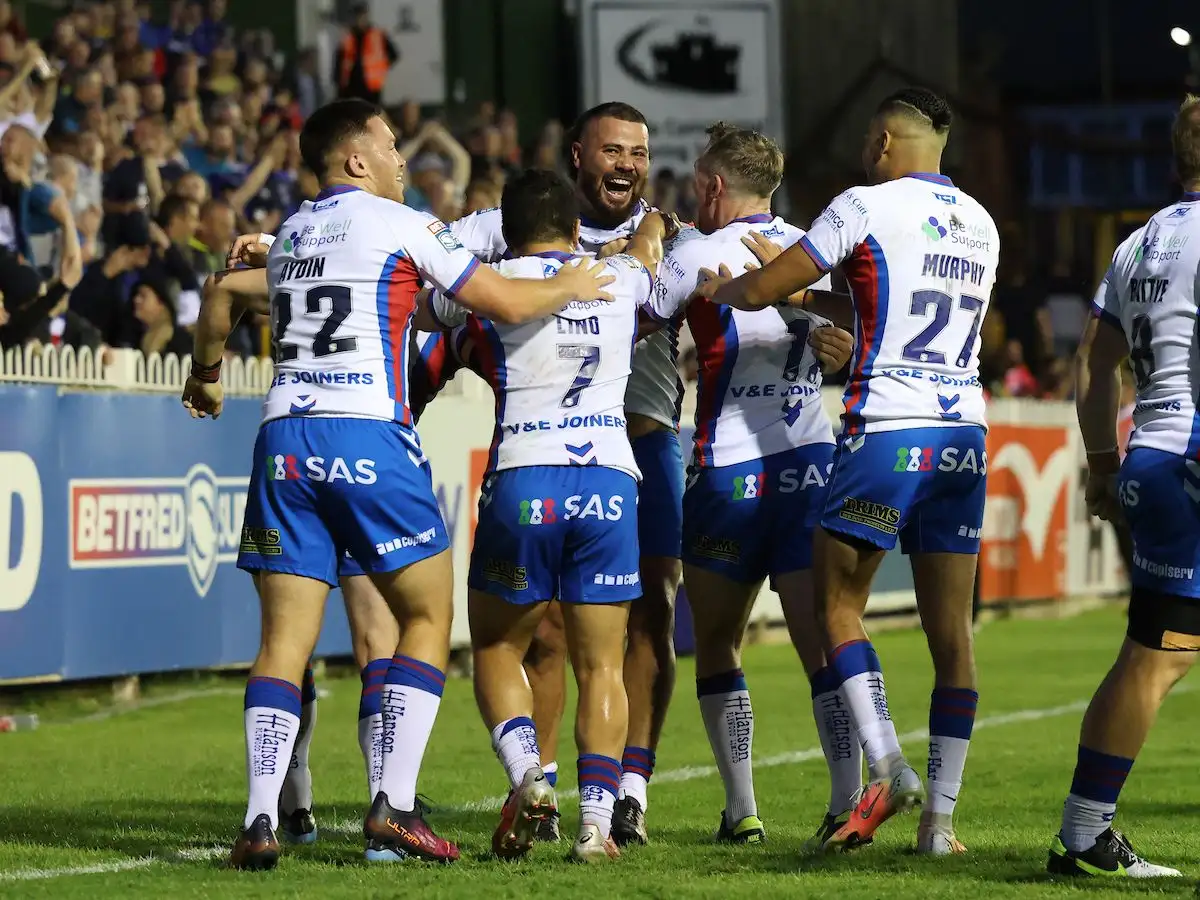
{"x": 613, "y": 157}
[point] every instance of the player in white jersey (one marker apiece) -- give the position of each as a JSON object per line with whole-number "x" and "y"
{"x": 756, "y": 485}
{"x": 1145, "y": 309}
{"x": 920, "y": 256}
{"x": 610, "y": 155}
{"x": 557, "y": 513}
{"x": 337, "y": 465}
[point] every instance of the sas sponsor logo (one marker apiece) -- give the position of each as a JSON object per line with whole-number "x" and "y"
{"x": 952, "y": 459}
{"x": 547, "y": 511}
{"x": 286, "y": 467}
{"x": 194, "y": 521}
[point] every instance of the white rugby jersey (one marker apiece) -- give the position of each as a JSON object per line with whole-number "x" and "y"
{"x": 343, "y": 275}
{"x": 1150, "y": 293}
{"x": 920, "y": 256}
{"x": 559, "y": 381}
{"x": 759, "y": 390}
{"x": 655, "y": 390}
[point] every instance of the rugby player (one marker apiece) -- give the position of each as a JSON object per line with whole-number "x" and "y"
{"x": 557, "y": 514}
{"x": 756, "y": 485}
{"x": 1145, "y": 309}
{"x": 920, "y": 256}
{"x": 337, "y": 465}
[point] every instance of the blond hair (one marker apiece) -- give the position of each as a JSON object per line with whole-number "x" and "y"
{"x": 1185, "y": 140}
{"x": 749, "y": 161}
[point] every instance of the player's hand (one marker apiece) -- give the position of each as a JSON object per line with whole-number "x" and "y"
{"x": 203, "y": 398}
{"x": 832, "y": 347}
{"x": 612, "y": 248}
{"x": 585, "y": 280}
{"x": 764, "y": 249}
{"x": 710, "y": 281}
{"x": 250, "y": 250}
{"x": 1100, "y": 495}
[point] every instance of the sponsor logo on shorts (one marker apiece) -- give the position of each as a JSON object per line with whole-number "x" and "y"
{"x": 951, "y": 459}
{"x": 611, "y": 580}
{"x": 546, "y": 511}
{"x": 965, "y": 531}
{"x": 409, "y": 540}
{"x": 194, "y": 521}
{"x": 263, "y": 541}
{"x": 285, "y": 467}
{"x": 749, "y": 487}
{"x": 538, "y": 512}
{"x": 873, "y": 515}
{"x": 1162, "y": 570}
{"x": 913, "y": 459}
{"x": 721, "y": 549}
{"x": 504, "y": 572}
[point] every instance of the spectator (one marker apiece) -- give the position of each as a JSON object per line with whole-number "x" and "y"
{"x": 364, "y": 58}
{"x": 29, "y": 96}
{"x": 1018, "y": 380}
{"x": 482, "y": 194}
{"x": 103, "y": 295}
{"x": 222, "y": 79}
{"x": 135, "y": 183}
{"x": 10, "y": 24}
{"x": 193, "y": 186}
{"x": 309, "y": 92}
{"x": 22, "y": 201}
{"x": 86, "y": 96}
{"x": 154, "y": 312}
{"x": 29, "y": 305}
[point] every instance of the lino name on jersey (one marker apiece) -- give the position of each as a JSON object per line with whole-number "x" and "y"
{"x": 920, "y": 257}
{"x": 1150, "y": 294}
{"x": 557, "y": 514}
{"x": 337, "y": 467}
{"x": 763, "y": 442}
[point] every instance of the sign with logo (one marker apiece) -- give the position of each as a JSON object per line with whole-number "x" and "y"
{"x": 1030, "y": 470}
{"x": 685, "y": 64}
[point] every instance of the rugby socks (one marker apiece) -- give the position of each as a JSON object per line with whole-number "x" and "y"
{"x": 637, "y": 765}
{"x": 1092, "y": 803}
{"x": 861, "y": 683}
{"x": 370, "y": 722}
{"x": 412, "y": 693}
{"x": 297, "y": 786}
{"x": 951, "y": 718}
{"x": 599, "y": 779}
{"x": 839, "y": 740}
{"x": 272, "y": 717}
{"x": 551, "y": 770}
{"x": 729, "y": 721}
{"x": 515, "y": 742}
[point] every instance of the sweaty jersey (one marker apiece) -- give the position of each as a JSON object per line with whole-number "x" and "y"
{"x": 559, "y": 381}
{"x": 759, "y": 390}
{"x": 920, "y": 256}
{"x": 655, "y": 390}
{"x": 343, "y": 276}
{"x": 1150, "y": 293}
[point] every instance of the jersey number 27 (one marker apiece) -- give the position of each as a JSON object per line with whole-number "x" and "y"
{"x": 918, "y": 350}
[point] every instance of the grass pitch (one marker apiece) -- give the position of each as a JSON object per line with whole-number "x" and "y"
{"x": 145, "y": 804}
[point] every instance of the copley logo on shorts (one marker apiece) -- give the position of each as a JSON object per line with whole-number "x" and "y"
{"x": 193, "y": 521}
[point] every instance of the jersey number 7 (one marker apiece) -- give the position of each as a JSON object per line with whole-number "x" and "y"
{"x": 588, "y": 356}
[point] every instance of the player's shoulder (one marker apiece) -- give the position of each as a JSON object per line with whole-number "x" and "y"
{"x": 528, "y": 266}
{"x": 489, "y": 218}
{"x": 1129, "y": 251}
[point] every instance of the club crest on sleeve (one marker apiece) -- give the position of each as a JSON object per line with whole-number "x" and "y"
{"x": 444, "y": 235}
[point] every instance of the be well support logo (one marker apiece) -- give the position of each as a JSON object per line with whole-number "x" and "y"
{"x": 194, "y": 521}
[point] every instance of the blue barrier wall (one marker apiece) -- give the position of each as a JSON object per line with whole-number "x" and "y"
{"x": 119, "y": 525}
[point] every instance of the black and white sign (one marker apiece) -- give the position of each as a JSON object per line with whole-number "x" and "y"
{"x": 685, "y": 64}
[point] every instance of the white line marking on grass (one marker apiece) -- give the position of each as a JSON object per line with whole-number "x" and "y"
{"x": 151, "y": 702}
{"x": 197, "y": 854}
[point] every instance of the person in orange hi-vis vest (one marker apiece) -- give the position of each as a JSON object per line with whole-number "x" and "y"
{"x": 363, "y": 58}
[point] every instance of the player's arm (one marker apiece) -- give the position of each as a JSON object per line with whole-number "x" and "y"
{"x": 646, "y": 245}
{"x": 828, "y": 304}
{"x": 833, "y": 237}
{"x": 434, "y": 312}
{"x": 1097, "y": 400}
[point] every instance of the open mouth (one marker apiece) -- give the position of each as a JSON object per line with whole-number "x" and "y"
{"x": 617, "y": 189}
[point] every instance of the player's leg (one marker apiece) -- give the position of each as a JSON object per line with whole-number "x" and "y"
{"x": 287, "y": 544}
{"x": 795, "y": 500}
{"x": 374, "y": 634}
{"x": 1161, "y": 644}
{"x": 546, "y": 668}
{"x": 870, "y": 490}
{"x": 599, "y": 577}
{"x": 388, "y": 519}
{"x": 514, "y": 571}
{"x": 650, "y": 651}
{"x": 725, "y": 556}
{"x": 297, "y": 825}
{"x": 941, "y": 538}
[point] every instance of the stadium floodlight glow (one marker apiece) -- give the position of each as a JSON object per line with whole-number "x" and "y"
{"x": 1181, "y": 36}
